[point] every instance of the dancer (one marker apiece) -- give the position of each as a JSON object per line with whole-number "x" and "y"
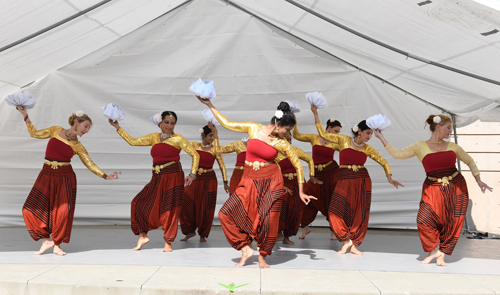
{"x": 292, "y": 207}
{"x": 50, "y": 207}
{"x": 349, "y": 208}
{"x": 252, "y": 211}
{"x": 159, "y": 203}
{"x": 240, "y": 147}
{"x": 444, "y": 193}
{"x": 326, "y": 170}
{"x": 198, "y": 205}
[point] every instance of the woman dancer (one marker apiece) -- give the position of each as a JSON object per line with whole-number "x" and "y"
{"x": 49, "y": 209}
{"x": 159, "y": 203}
{"x": 326, "y": 170}
{"x": 292, "y": 207}
{"x": 240, "y": 147}
{"x": 198, "y": 205}
{"x": 349, "y": 208}
{"x": 252, "y": 211}
{"x": 444, "y": 193}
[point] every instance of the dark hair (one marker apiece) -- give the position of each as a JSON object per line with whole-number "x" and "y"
{"x": 168, "y": 113}
{"x": 332, "y": 124}
{"x": 83, "y": 118}
{"x": 206, "y": 130}
{"x": 287, "y": 119}
{"x": 432, "y": 125}
{"x": 361, "y": 127}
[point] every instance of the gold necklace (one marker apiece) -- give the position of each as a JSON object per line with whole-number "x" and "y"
{"x": 67, "y": 135}
{"x": 438, "y": 143}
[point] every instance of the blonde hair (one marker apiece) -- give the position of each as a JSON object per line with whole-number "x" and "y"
{"x": 81, "y": 119}
{"x": 432, "y": 125}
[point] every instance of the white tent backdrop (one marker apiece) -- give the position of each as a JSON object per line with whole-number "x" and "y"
{"x": 254, "y": 67}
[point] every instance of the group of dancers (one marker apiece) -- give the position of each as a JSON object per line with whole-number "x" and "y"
{"x": 268, "y": 197}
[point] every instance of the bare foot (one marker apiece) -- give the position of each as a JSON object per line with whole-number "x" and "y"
{"x": 305, "y": 231}
{"x": 433, "y": 254}
{"x": 202, "y": 239}
{"x": 347, "y": 245}
{"x": 262, "y": 262}
{"x": 168, "y": 247}
{"x": 280, "y": 237}
{"x": 286, "y": 240}
{"x": 246, "y": 252}
{"x": 188, "y": 236}
{"x": 46, "y": 244}
{"x": 332, "y": 236}
{"x": 58, "y": 251}
{"x": 143, "y": 240}
{"x": 355, "y": 250}
{"x": 440, "y": 260}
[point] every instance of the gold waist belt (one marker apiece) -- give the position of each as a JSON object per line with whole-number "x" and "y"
{"x": 239, "y": 167}
{"x": 353, "y": 167}
{"x": 322, "y": 166}
{"x": 256, "y": 165}
{"x": 290, "y": 175}
{"x": 202, "y": 170}
{"x": 55, "y": 164}
{"x": 157, "y": 168}
{"x": 445, "y": 180}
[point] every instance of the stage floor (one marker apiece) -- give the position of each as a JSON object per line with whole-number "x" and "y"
{"x": 391, "y": 263}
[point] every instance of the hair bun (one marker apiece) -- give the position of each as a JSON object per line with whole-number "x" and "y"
{"x": 284, "y": 107}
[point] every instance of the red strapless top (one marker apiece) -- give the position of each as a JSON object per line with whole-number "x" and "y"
{"x": 257, "y": 150}
{"x": 440, "y": 160}
{"x": 286, "y": 166}
{"x": 240, "y": 159}
{"x": 322, "y": 154}
{"x": 58, "y": 151}
{"x": 351, "y": 157}
{"x": 162, "y": 153}
{"x": 206, "y": 159}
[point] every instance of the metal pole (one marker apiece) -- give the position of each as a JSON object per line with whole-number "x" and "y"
{"x": 385, "y": 45}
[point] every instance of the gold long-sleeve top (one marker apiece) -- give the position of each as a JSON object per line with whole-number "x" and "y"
{"x": 237, "y": 146}
{"x": 421, "y": 149}
{"x": 281, "y": 145}
{"x": 313, "y": 139}
{"x": 214, "y": 151}
{"x": 344, "y": 142}
{"x": 178, "y": 141}
{"x": 302, "y": 155}
{"x": 78, "y": 148}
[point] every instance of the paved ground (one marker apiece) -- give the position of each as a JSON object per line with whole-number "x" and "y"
{"x": 100, "y": 261}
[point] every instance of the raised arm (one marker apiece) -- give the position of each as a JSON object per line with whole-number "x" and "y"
{"x": 302, "y": 137}
{"x": 140, "y": 141}
{"x": 44, "y": 133}
{"x": 404, "y": 153}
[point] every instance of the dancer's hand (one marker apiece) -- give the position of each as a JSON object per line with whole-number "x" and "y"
{"x": 113, "y": 175}
{"x": 483, "y": 186}
{"x": 214, "y": 129}
{"x": 287, "y": 190}
{"x": 315, "y": 180}
{"x": 188, "y": 180}
{"x": 379, "y": 135}
{"x": 393, "y": 182}
{"x": 306, "y": 198}
{"x": 23, "y": 111}
{"x": 114, "y": 124}
{"x": 204, "y": 101}
{"x": 314, "y": 109}
{"x": 226, "y": 187}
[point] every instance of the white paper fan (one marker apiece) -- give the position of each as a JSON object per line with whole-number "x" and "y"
{"x": 317, "y": 99}
{"x": 378, "y": 122}
{"x": 203, "y": 89}
{"x": 294, "y": 107}
{"x": 21, "y": 98}
{"x": 209, "y": 116}
{"x": 113, "y": 112}
{"x": 156, "y": 119}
